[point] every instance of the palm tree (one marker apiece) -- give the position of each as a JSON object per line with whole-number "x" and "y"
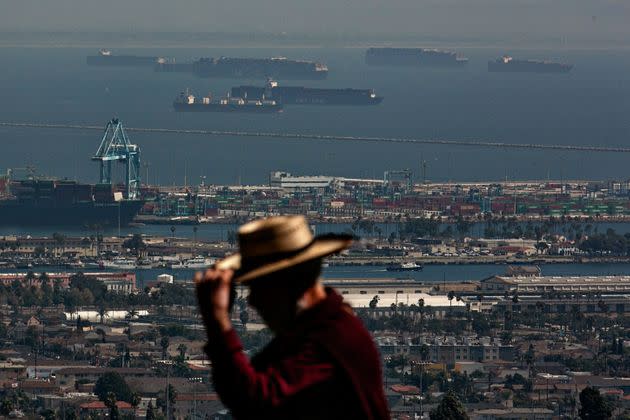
{"x": 110, "y": 402}
{"x": 421, "y": 310}
{"x": 182, "y": 350}
{"x": 102, "y": 311}
{"x": 450, "y": 295}
{"x": 603, "y": 307}
{"x": 164, "y": 342}
{"x": 59, "y": 241}
{"x": 101, "y": 332}
{"x": 132, "y": 313}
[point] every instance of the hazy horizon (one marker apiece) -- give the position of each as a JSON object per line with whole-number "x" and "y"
{"x": 478, "y": 19}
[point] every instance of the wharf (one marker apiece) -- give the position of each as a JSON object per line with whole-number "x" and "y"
{"x": 476, "y": 260}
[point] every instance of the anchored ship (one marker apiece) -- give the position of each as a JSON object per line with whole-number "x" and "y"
{"x": 422, "y": 57}
{"x": 36, "y": 201}
{"x": 106, "y": 58}
{"x": 277, "y": 68}
{"x": 509, "y": 64}
{"x": 186, "y": 102}
{"x": 299, "y": 95}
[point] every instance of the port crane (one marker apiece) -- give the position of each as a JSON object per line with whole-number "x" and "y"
{"x": 116, "y": 147}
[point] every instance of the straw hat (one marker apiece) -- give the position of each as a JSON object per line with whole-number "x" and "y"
{"x": 276, "y": 243}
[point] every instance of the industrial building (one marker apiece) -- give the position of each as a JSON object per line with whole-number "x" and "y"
{"x": 562, "y": 284}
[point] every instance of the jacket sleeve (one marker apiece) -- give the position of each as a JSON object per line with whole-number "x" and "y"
{"x": 246, "y": 391}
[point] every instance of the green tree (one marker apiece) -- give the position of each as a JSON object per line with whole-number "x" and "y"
{"x": 112, "y": 382}
{"x": 244, "y": 317}
{"x": 135, "y": 243}
{"x": 182, "y": 350}
{"x": 151, "y": 412}
{"x": 232, "y": 237}
{"x": 421, "y": 310}
{"x": 451, "y": 295}
{"x": 60, "y": 241}
{"x": 593, "y": 406}
{"x": 164, "y": 342}
{"x": 450, "y": 408}
{"x": 6, "y": 406}
{"x": 110, "y": 402}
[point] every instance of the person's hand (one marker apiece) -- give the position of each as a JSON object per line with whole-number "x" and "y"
{"x": 213, "y": 295}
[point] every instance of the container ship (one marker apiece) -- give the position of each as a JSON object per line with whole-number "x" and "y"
{"x": 299, "y": 95}
{"x": 106, "y": 58}
{"x": 421, "y": 57}
{"x": 187, "y": 102}
{"x": 277, "y": 68}
{"x": 64, "y": 203}
{"x": 510, "y": 65}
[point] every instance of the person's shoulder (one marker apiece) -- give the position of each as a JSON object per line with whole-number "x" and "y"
{"x": 343, "y": 325}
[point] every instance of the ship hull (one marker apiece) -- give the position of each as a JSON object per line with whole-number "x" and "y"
{"x": 40, "y": 213}
{"x": 413, "y": 57}
{"x": 121, "y": 60}
{"x": 399, "y": 269}
{"x": 258, "y": 68}
{"x": 214, "y": 107}
{"x": 528, "y": 67}
{"x": 290, "y": 95}
{"x": 173, "y": 68}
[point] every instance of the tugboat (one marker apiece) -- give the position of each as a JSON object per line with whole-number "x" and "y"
{"x": 186, "y": 102}
{"x": 407, "y": 266}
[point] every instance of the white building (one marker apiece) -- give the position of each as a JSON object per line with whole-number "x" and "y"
{"x": 287, "y": 181}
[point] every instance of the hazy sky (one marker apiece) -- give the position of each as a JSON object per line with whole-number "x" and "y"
{"x": 451, "y": 18}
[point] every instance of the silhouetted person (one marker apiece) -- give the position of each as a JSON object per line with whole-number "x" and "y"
{"x": 322, "y": 363}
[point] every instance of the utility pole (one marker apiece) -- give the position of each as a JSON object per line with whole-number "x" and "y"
{"x": 168, "y": 386}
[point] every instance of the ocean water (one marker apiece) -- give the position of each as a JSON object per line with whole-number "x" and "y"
{"x": 430, "y": 273}
{"x": 591, "y": 106}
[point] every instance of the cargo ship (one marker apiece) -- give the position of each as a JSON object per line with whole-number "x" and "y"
{"x": 277, "y": 68}
{"x": 510, "y": 65}
{"x": 421, "y": 57}
{"x": 299, "y": 95}
{"x": 106, "y": 58}
{"x": 40, "y": 202}
{"x": 186, "y": 102}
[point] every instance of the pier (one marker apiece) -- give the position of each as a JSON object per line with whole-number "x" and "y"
{"x": 326, "y": 137}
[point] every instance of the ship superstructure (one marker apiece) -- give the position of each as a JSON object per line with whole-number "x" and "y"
{"x": 277, "y": 68}
{"x": 187, "y": 102}
{"x": 299, "y": 95}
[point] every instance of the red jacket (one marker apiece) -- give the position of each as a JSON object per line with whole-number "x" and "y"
{"x": 327, "y": 366}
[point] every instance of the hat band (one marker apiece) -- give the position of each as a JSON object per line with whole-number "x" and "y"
{"x": 255, "y": 261}
{"x": 249, "y": 263}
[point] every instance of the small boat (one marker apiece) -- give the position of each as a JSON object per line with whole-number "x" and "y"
{"x": 121, "y": 264}
{"x": 145, "y": 264}
{"x": 407, "y": 266}
{"x": 198, "y": 262}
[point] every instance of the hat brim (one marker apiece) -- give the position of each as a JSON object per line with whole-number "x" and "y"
{"x": 321, "y": 247}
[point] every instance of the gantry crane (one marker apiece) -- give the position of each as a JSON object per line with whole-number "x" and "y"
{"x": 115, "y": 146}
